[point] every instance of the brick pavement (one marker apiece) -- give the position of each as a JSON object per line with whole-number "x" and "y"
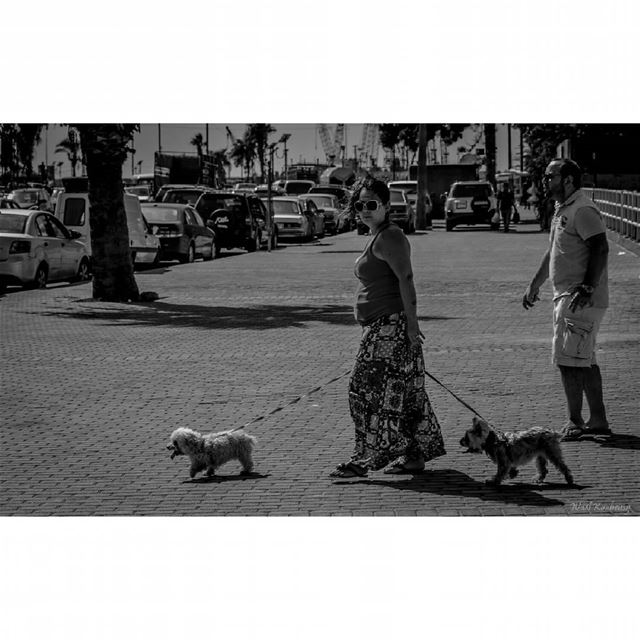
{"x": 91, "y": 391}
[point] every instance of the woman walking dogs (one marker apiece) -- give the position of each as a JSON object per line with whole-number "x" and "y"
{"x": 395, "y": 426}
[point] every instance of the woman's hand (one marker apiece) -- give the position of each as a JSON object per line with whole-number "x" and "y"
{"x": 414, "y": 334}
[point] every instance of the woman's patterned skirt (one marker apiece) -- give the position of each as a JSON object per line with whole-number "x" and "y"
{"x": 387, "y": 398}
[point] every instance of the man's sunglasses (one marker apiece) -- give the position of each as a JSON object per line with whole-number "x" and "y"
{"x": 369, "y": 205}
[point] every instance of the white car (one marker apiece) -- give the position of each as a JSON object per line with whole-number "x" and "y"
{"x": 328, "y": 206}
{"x": 36, "y": 248}
{"x": 410, "y": 188}
{"x": 296, "y": 219}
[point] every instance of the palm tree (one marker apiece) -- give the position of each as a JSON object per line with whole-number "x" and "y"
{"x": 389, "y": 139}
{"x": 490, "y": 151}
{"x": 27, "y": 137}
{"x": 105, "y": 148}
{"x": 71, "y": 146}
{"x": 258, "y": 134}
{"x": 198, "y": 143}
{"x": 243, "y": 153}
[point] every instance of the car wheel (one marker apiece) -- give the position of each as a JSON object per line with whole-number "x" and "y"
{"x": 449, "y": 226}
{"x": 190, "y": 257}
{"x": 212, "y": 252}
{"x": 84, "y": 272}
{"x": 218, "y": 250}
{"x": 253, "y": 243}
{"x": 274, "y": 241}
{"x": 40, "y": 279}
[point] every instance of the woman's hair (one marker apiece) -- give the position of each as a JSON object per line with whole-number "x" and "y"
{"x": 371, "y": 184}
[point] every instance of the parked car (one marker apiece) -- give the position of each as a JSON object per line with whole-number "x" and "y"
{"x": 328, "y": 206}
{"x": 400, "y": 212}
{"x": 36, "y": 248}
{"x": 296, "y": 218}
{"x": 182, "y": 232}
{"x": 346, "y": 220}
{"x": 72, "y": 209}
{"x": 410, "y": 187}
{"x": 238, "y": 219}
{"x": 5, "y": 203}
{"x": 263, "y": 190}
{"x": 245, "y": 187}
{"x": 141, "y": 191}
{"x": 341, "y": 193}
{"x": 297, "y": 187}
{"x": 470, "y": 202}
{"x": 184, "y": 194}
{"x": 31, "y": 197}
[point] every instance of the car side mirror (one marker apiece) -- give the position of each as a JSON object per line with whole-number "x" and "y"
{"x": 75, "y": 235}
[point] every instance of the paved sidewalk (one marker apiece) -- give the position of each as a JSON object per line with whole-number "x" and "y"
{"x": 91, "y": 391}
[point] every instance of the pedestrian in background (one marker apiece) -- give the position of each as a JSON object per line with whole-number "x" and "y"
{"x": 576, "y": 262}
{"x": 506, "y": 205}
{"x": 395, "y": 426}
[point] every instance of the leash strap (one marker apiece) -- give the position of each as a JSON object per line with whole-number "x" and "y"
{"x": 460, "y": 400}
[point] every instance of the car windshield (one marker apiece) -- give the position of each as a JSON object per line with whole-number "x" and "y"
{"x": 396, "y": 197}
{"x": 321, "y": 201}
{"x": 161, "y": 214}
{"x": 471, "y": 191}
{"x": 297, "y": 187}
{"x": 409, "y": 187}
{"x": 285, "y": 206}
{"x": 12, "y": 223}
{"x": 181, "y": 196}
{"x": 210, "y": 202}
{"x": 26, "y": 196}
{"x": 142, "y": 190}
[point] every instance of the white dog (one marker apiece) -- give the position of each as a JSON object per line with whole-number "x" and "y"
{"x": 212, "y": 450}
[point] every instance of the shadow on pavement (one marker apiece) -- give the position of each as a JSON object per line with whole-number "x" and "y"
{"x": 221, "y": 479}
{"x": 448, "y": 482}
{"x": 615, "y": 441}
{"x": 214, "y": 317}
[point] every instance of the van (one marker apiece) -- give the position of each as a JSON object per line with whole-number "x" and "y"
{"x": 72, "y": 209}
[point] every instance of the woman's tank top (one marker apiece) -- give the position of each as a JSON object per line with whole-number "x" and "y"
{"x": 378, "y": 291}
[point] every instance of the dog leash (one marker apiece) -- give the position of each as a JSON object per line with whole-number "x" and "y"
{"x": 458, "y": 398}
{"x": 326, "y": 384}
{"x": 288, "y": 404}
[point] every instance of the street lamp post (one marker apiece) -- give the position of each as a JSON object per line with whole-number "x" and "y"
{"x": 283, "y": 139}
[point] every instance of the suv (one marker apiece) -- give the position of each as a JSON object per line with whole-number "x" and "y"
{"x": 238, "y": 219}
{"x": 180, "y": 193}
{"x": 470, "y": 203}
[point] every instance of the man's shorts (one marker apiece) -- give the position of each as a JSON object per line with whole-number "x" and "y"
{"x": 574, "y": 334}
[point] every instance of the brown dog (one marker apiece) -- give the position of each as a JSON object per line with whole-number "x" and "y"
{"x": 514, "y": 449}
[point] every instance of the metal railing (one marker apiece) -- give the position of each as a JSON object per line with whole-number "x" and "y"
{"x": 621, "y": 210}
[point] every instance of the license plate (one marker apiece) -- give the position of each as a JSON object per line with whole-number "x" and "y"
{"x": 461, "y": 205}
{"x": 222, "y": 225}
{"x": 482, "y": 202}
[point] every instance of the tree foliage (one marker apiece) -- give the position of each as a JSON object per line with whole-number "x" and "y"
{"x": 257, "y": 135}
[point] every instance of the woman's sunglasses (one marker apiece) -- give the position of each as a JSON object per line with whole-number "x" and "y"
{"x": 369, "y": 205}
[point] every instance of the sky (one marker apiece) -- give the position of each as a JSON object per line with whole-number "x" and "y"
{"x": 303, "y": 145}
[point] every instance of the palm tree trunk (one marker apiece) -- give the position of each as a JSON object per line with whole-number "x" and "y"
{"x": 490, "y": 150}
{"x": 104, "y": 147}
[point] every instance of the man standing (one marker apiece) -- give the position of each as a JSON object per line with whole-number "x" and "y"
{"x": 506, "y": 204}
{"x": 576, "y": 262}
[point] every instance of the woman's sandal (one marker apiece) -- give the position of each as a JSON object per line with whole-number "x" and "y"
{"x": 349, "y": 470}
{"x": 575, "y": 433}
{"x": 399, "y": 467}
